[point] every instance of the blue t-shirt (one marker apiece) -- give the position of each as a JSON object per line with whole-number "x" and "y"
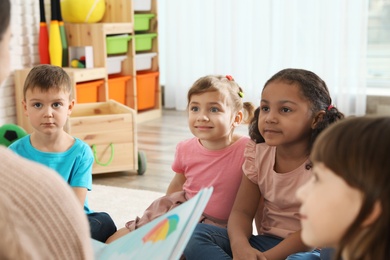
{"x": 74, "y": 165}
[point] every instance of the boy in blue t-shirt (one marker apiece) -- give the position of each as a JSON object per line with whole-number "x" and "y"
{"x": 48, "y": 104}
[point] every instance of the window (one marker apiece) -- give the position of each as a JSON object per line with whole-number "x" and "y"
{"x": 378, "y": 48}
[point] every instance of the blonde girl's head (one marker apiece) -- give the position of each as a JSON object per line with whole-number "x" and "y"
{"x": 226, "y": 86}
{"x": 313, "y": 89}
{"x": 356, "y": 149}
{"x": 46, "y": 78}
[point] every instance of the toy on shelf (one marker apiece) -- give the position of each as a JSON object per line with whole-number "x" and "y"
{"x": 9, "y": 133}
{"x": 86, "y": 11}
{"x": 53, "y": 46}
{"x": 43, "y": 42}
{"x": 81, "y": 57}
{"x": 78, "y": 63}
{"x": 55, "y": 43}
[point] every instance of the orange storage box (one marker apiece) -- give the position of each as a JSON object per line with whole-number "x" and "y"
{"x": 147, "y": 83}
{"x": 117, "y": 87}
{"x": 87, "y": 92}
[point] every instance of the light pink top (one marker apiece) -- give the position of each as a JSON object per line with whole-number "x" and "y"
{"x": 281, "y": 207}
{"x": 221, "y": 169}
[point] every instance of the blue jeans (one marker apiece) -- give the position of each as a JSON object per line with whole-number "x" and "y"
{"x": 327, "y": 253}
{"x": 212, "y": 242}
{"x": 101, "y": 225}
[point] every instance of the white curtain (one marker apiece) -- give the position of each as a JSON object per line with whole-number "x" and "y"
{"x": 253, "y": 39}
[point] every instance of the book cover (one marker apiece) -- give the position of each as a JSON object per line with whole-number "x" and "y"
{"x": 163, "y": 238}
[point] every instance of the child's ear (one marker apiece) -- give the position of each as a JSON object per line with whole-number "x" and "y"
{"x": 318, "y": 118}
{"x": 373, "y": 216}
{"x": 71, "y": 105}
{"x": 238, "y": 118}
{"x": 24, "y": 104}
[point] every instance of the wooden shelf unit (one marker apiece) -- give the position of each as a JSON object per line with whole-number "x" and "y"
{"x": 90, "y": 121}
{"x": 157, "y": 111}
{"x": 118, "y": 19}
{"x": 95, "y": 35}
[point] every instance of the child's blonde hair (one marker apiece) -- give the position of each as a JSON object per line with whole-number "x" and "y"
{"x": 227, "y": 86}
{"x": 46, "y": 77}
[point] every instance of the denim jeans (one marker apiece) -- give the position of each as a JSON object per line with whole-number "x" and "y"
{"x": 212, "y": 242}
{"x": 327, "y": 253}
{"x": 101, "y": 225}
{"x": 313, "y": 255}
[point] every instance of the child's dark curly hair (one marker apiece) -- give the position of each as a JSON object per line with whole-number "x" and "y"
{"x": 314, "y": 89}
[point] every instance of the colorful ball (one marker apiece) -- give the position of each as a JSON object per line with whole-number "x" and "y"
{"x": 85, "y": 11}
{"x": 9, "y": 133}
{"x": 77, "y": 64}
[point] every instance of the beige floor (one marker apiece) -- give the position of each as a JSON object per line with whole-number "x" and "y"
{"x": 158, "y": 139}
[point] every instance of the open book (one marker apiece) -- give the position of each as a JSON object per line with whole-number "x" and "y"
{"x": 163, "y": 238}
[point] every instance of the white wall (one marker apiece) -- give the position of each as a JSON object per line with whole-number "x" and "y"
{"x": 24, "y": 53}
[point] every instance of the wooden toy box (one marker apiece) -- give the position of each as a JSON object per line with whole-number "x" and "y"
{"x": 110, "y": 129}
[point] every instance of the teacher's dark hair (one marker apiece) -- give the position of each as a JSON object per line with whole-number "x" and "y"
{"x": 5, "y": 14}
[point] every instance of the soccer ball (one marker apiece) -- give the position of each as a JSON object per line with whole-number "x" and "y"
{"x": 9, "y": 133}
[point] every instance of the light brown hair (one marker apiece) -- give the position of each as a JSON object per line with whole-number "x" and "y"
{"x": 47, "y": 77}
{"x": 226, "y": 85}
{"x": 357, "y": 150}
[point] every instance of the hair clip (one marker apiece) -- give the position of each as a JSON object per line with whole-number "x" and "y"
{"x": 229, "y": 77}
{"x": 330, "y": 107}
{"x": 241, "y": 94}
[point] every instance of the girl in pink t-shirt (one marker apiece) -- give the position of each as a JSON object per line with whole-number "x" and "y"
{"x": 214, "y": 157}
{"x": 295, "y": 107}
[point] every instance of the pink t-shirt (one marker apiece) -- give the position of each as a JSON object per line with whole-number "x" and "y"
{"x": 281, "y": 207}
{"x": 221, "y": 169}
